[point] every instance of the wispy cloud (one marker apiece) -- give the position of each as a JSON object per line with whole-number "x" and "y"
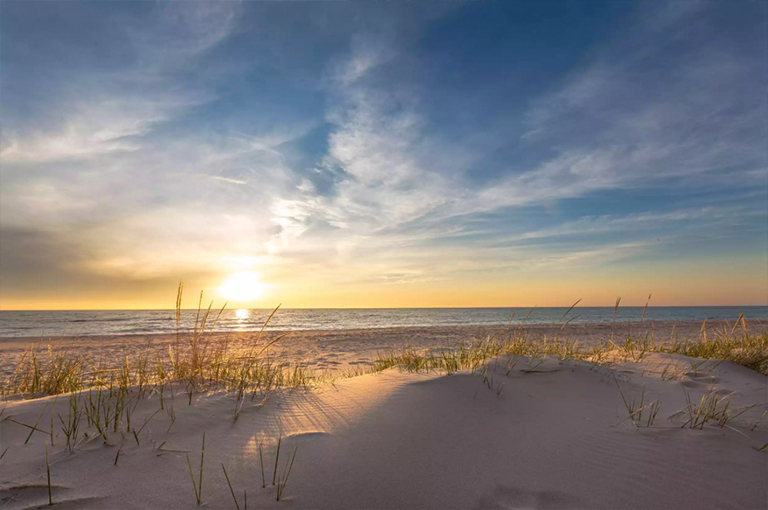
{"x": 186, "y": 157}
{"x": 616, "y": 123}
{"x": 109, "y": 112}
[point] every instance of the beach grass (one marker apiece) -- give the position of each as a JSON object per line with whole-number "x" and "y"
{"x": 194, "y": 359}
{"x": 726, "y": 344}
{"x": 202, "y": 364}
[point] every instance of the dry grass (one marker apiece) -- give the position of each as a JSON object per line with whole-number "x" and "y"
{"x": 201, "y": 364}
{"x": 731, "y": 343}
{"x": 195, "y": 360}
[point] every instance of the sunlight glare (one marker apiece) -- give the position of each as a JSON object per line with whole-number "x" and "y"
{"x": 245, "y": 286}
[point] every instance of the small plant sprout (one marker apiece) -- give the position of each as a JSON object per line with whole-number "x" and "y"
{"x": 711, "y": 407}
{"x": 635, "y": 407}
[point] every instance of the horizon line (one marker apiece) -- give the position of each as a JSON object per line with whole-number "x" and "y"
{"x": 380, "y": 308}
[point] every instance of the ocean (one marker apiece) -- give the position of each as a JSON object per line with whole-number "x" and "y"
{"x": 132, "y": 322}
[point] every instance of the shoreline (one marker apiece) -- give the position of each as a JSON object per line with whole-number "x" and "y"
{"x": 344, "y": 349}
{"x": 686, "y": 325}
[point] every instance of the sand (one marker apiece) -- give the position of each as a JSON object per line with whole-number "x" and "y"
{"x": 557, "y": 437}
{"x": 339, "y": 350}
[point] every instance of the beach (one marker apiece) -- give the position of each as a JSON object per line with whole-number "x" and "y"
{"x": 557, "y": 438}
{"x": 546, "y": 432}
{"x": 343, "y": 349}
{"x": 384, "y": 255}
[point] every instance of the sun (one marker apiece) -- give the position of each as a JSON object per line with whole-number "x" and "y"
{"x": 245, "y": 286}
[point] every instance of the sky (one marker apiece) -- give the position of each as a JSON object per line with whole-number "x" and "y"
{"x": 383, "y": 154}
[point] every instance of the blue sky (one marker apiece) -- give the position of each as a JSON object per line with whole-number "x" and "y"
{"x": 384, "y": 153}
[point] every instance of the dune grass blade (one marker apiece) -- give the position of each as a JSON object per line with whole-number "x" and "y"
{"x": 202, "y": 457}
{"x": 569, "y": 310}
{"x": 36, "y": 423}
{"x": 48, "y": 474}
{"x": 645, "y": 308}
{"x": 286, "y": 473}
{"x": 198, "y": 487}
{"x": 277, "y": 458}
{"x": 231, "y": 490}
{"x": 31, "y": 427}
{"x": 261, "y": 460}
{"x": 194, "y": 485}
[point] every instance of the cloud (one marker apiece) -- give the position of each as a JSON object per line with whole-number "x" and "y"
{"x": 168, "y": 164}
{"x": 652, "y": 224}
{"x": 659, "y": 106}
{"x": 102, "y": 125}
{"x": 179, "y": 32}
{"x": 655, "y": 109}
{"x": 102, "y": 112}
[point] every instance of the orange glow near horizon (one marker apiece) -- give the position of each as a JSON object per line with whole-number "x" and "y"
{"x": 724, "y": 286}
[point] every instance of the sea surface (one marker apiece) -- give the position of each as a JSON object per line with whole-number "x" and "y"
{"x": 133, "y": 322}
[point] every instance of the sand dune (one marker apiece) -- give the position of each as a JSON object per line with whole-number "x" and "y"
{"x": 556, "y": 437}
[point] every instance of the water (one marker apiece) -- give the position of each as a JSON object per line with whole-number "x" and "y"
{"x": 131, "y": 322}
